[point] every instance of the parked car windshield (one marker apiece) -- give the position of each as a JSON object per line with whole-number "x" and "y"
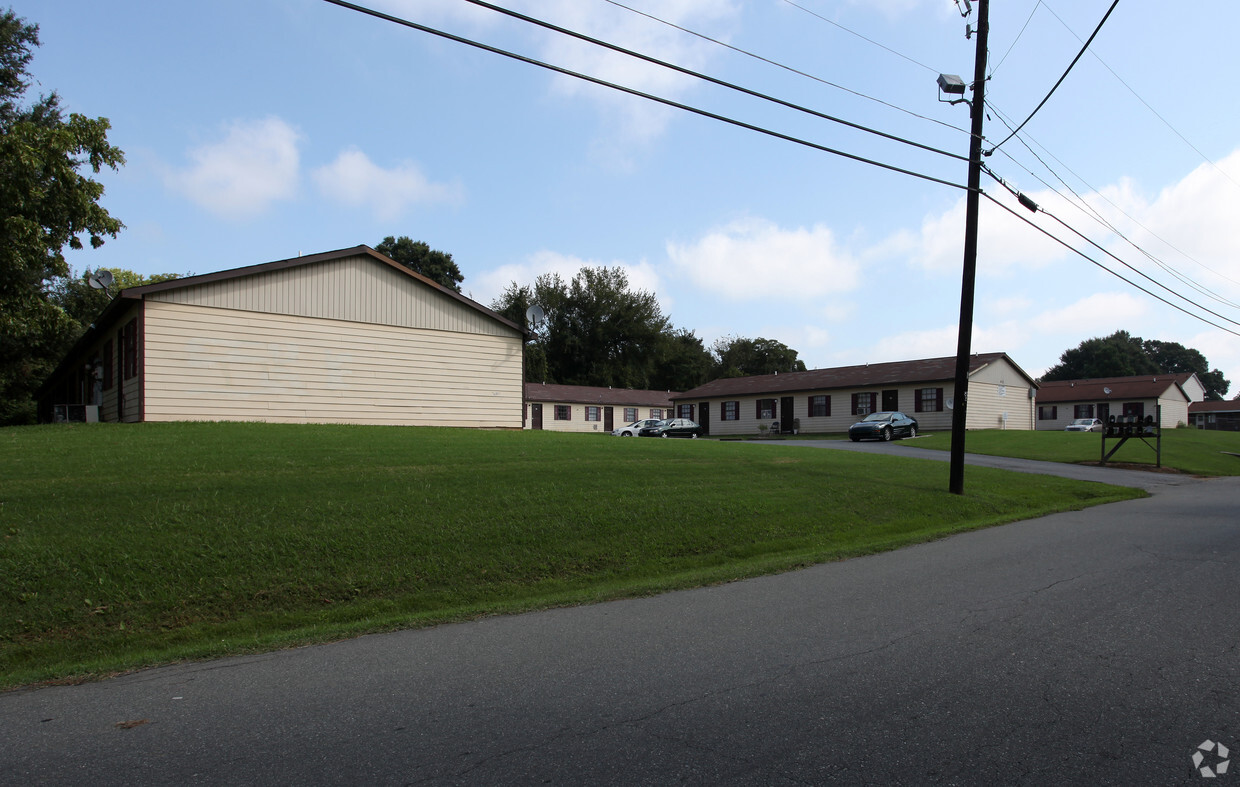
{"x": 877, "y": 417}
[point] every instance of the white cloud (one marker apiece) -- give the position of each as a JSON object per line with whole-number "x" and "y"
{"x": 1004, "y": 242}
{"x": 355, "y": 180}
{"x": 754, "y": 258}
{"x": 254, "y": 165}
{"x": 1095, "y": 315}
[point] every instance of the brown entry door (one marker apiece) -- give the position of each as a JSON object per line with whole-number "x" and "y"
{"x": 704, "y": 416}
{"x": 609, "y": 419}
{"x": 785, "y": 414}
{"x": 536, "y": 416}
{"x": 891, "y": 400}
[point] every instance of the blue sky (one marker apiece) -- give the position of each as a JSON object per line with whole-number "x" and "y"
{"x": 256, "y": 130}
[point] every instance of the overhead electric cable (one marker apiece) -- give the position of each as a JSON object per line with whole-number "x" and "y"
{"x": 1079, "y": 253}
{"x": 633, "y": 92}
{"x": 863, "y": 38}
{"x": 1084, "y": 206}
{"x": 777, "y": 64}
{"x": 1061, "y": 79}
{"x": 1137, "y": 95}
{"x": 995, "y": 70}
{"x": 707, "y": 78}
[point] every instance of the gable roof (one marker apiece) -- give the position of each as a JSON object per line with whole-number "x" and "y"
{"x": 126, "y": 298}
{"x": 1226, "y": 406}
{"x": 1155, "y": 386}
{"x": 896, "y": 373}
{"x": 585, "y": 394}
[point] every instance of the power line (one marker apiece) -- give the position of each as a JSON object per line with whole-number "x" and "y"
{"x": 863, "y": 38}
{"x": 1084, "y": 206}
{"x": 1137, "y": 95}
{"x": 1080, "y": 253}
{"x": 1061, "y": 79}
{"x": 706, "y": 78}
{"x": 777, "y": 64}
{"x": 633, "y": 92}
{"x": 1033, "y": 11}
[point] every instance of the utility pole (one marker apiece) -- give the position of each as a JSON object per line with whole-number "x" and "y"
{"x": 965, "y": 336}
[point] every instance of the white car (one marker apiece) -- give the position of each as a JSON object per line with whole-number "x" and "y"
{"x": 632, "y": 429}
{"x": 1084, "y": 425}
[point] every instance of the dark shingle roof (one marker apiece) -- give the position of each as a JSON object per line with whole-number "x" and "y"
{"x": 586, "y": 394}
{"x": 1232, "y": 406}
{"x": 896, "y": 373}
{"x": 1138, "y": 387}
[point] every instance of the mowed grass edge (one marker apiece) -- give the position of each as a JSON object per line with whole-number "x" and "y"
{"x": 123, "y": 546}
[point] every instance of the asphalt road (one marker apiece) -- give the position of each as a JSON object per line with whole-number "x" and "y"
{"x": 1093, "y": 647}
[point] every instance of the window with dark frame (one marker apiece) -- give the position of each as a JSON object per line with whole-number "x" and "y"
{"x": 1048, "y": 412}
{"x": 864, "y": 403}
{"x": 563, "y": 412}
{"x": 656, "y": 412}
{"x": 1134, "y": 409}
{"x": 819, "y": 406}
{"x": 730, "y": 411}
{"x": 685, "y": 411}
{"x": 593, "y": 413}
{"x": 130, "y": 332}
{"x": 1084, "y": 411}
{"x": 765, "y": 408}
{"x": 630, "y": 414}
{"x": 928, "y": 400}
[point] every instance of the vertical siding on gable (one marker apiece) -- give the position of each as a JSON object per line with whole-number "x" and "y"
{"x": 354, "y": 289}
{"x": 218, "y": 364}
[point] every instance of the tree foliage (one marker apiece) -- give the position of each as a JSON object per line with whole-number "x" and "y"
{"x": 83, "y": 303}
{"x": 47, "y": 204}
{"x": 418, "y": 257}
{"x": 1124, "y": 355}
{"x": 600, "y": 332}
{"x": 739, "y": 357}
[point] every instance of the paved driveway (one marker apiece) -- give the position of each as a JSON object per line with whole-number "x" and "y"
{"x": 1090, "y": 647}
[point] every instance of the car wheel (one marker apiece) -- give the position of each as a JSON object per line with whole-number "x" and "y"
{"x": 912, "y": 431}
{"x": 665, "y": 434}
{"x": 886, "y": 434}
{"x": 626, "y": 434}
{"x": 854, "y": 439}
{"x": 694, "y": 435}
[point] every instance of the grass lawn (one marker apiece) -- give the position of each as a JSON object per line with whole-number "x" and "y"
{"x": 1194, "y": 451}
{"x": 125, "y": 546}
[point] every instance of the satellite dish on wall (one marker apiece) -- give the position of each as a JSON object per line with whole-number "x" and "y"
{"x": 101, "y": 280}
{"x": 951, "y": 402}
{"x": 535, "y": 316}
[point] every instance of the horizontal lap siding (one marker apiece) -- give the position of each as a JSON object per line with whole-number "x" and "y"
{"x": 220, "y": 364}
{"x": 578, "y": 422}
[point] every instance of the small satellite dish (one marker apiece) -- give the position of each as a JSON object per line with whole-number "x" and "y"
{"x": 951, "y": 402}
{"x": 535, "y": 316}
{"x": 100, "y": 280}
{"x": 1106, "y": 391}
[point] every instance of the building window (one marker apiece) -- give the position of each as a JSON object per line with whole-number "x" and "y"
{"x": 928, "y": 400}
{"x": 1048, "y": 412}
{"x": 1083, "y": 411}
{"x": 656, "y": 412}
{"x": 563, "y": 412}
{"x": 592, "y": 413}
{"x": 109, "y": 377}
{"x": 730, "y": 411}
{"x": 684, "y": 411}
{"x": 864, "y": 403}
{"x": 819, "y": 406}
{"x": 766, "y": 408}
{"x": 630, "y": 415}
{"x": 1134, "y": 409}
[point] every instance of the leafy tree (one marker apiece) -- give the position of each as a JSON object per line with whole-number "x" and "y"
{"x": 597, "y": 331}
{"x": 740, "y": 357}
{"x": 1123, "y": 355}
{"x": 47, "y": 204}
{"x": 682, "y": 362}
{"x": 421, "y": 258}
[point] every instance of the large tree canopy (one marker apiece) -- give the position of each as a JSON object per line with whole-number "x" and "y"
{"x": 421, "y": 258}
{"x": 739, "y": 357}
{"x": 47, "y": 203}
{"x": 1123, "y": 355}
{"x": 600, "y": 332}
